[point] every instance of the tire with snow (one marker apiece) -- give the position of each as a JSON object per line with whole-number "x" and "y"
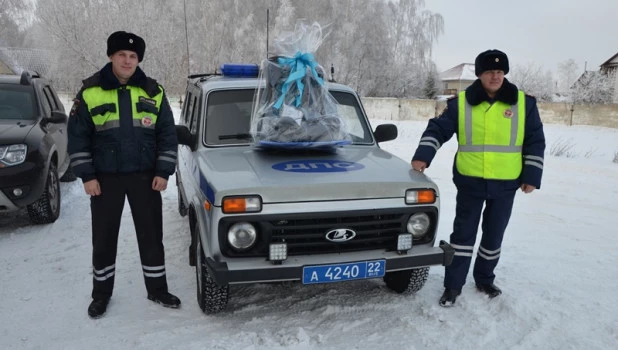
{"x": 211, "y": 297}
{"x": 406, "y": 281}
{"x": 68, "y": 175}
{"x": 47, "y": 208}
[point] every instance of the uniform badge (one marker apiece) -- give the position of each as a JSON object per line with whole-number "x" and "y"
{"x": 147, "y": 121}
{"x": 74, "y": 107}
{"x": 147, "y": 100}
{"x": 508, "y": 113}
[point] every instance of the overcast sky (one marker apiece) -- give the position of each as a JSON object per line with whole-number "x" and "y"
{"x": 544, "y": 32}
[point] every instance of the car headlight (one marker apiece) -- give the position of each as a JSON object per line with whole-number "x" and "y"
{"x": 242, "y": 236}
{"x": 13, "y": 154}
{"x": 418, "y": 224}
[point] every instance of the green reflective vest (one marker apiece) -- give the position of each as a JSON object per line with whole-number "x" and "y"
{"x": 491, "y": 138}
{"x": 104, "y": 109}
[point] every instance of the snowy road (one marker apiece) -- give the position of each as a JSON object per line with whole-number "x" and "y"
{"x": 558, "y": 270}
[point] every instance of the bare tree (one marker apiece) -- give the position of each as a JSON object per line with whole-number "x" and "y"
{"x": 14, "y": 19}
{"x": 534, "y": 80}
{"x": 380, "y": 48}
{"x": 567, "y": 71}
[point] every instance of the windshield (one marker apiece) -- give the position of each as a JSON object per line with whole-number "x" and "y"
{"x": 228, "y": 117}
{"x": 16, "y": 102}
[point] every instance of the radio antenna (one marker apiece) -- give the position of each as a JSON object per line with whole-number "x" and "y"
{"x": 267, "y": 24}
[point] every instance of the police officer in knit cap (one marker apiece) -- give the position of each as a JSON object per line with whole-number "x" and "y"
{"x": 122, "y": 144}
{"x": 501, "y": 149}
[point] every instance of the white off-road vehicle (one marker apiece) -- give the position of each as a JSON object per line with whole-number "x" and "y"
{"x": 314, "y": 216}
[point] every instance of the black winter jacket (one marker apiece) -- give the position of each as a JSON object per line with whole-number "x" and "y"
{"x": 124, "y": 148}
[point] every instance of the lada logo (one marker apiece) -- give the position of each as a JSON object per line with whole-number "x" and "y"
{"x": 340, "y": 235}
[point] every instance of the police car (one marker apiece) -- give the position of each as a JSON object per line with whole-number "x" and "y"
{"x": 266, "y": 215}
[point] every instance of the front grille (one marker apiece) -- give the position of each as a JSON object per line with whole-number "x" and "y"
{"x": 305, "y": 234}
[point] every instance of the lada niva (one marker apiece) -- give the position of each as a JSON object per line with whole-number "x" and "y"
{"x": 313, "y": 216}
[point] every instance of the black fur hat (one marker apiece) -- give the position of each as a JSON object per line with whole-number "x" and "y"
{"x": 126, "y": 41}
{"x": 491, "y": 60}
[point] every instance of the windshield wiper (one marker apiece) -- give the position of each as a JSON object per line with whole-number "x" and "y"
{"x": 244, "y": 136}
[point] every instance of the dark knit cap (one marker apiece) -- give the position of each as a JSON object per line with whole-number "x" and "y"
{"x": 491, "y": 60}
{"x": 126, "y": 41}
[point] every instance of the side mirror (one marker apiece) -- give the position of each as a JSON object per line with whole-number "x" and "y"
{"x": 185, "y": 137}
{"x": 56, "y": 117}
{"x": 385, "y": 132}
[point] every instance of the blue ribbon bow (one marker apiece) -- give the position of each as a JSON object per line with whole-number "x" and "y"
{"x": 298, "y": 69}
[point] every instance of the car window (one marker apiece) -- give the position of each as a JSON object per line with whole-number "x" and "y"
{"x": 350, "y": 111}
{"x": 17, "y": 102}
{"x": 228, "y": 117}
{"x": 47, "y": 106}
{"x": 53, "y": 102}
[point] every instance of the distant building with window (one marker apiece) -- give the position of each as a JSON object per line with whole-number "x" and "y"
{"x": 457, "y": 78}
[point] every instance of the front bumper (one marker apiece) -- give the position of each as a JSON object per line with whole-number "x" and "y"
{"x": 30, "y": 177}
{"x": 224, "y": 273}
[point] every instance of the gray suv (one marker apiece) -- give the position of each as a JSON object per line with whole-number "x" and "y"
{"x": 313, "y": 216}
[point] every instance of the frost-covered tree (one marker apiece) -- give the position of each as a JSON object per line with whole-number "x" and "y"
{"x": 567, "y": 74}
{"x": 533, "y": 80}
{"x": 593, "y": 87}
{"x": 14, "y": 19}
{"x": 380, "y": 48}
{"x": 432, "y": 83}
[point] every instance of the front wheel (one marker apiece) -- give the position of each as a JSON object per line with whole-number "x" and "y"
{"x": 406, "y": 281}
{"x": 47, "y": 208}
{"x": 211, "y": 297}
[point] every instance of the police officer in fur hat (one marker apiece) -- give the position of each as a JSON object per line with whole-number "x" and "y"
{"x": 122, "y": 143}
{"x": 501, "y": 149}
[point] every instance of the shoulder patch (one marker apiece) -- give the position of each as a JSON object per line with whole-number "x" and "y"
{"x": 74, "y": 107}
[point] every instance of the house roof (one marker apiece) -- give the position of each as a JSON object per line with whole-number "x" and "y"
{"x": 613, "y": 61}
{"x": 19, "y": 59}
{"x": 464, "y": 71}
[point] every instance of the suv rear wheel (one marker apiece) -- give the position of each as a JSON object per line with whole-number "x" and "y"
{"x": 406, "y": 281}
{"x": 211, "y": 297}
{"x": 47, "y": 208}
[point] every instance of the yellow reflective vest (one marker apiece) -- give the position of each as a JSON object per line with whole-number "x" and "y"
{"x": 491, "y": 138}
{"x": 104, "y": 109}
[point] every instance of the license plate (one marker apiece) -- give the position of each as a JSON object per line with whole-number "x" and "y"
{"x": 343, "y": 272}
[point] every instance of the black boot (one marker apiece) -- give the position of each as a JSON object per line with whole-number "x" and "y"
{"x": 97, "y": 308}
{"x": 490, "y": 289}
{"x": 166, "y": 299}
{"x": 449, "y": 296}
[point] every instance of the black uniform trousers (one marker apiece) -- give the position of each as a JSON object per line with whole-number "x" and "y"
{"x": 146, "y": 209}
{"x": 465, "y": 227}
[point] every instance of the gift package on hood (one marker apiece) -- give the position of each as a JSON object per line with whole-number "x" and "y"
{"x": 294, "y": 109}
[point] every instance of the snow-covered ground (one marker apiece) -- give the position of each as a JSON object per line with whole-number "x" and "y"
{"x": 558, "y": 271}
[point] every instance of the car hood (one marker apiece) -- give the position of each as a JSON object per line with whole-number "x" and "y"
{"x": 352, "y": 172}
{"x": 14, "y": 131}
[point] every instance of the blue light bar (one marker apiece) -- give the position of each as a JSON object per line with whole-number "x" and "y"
{"x": 240, "y": 70}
